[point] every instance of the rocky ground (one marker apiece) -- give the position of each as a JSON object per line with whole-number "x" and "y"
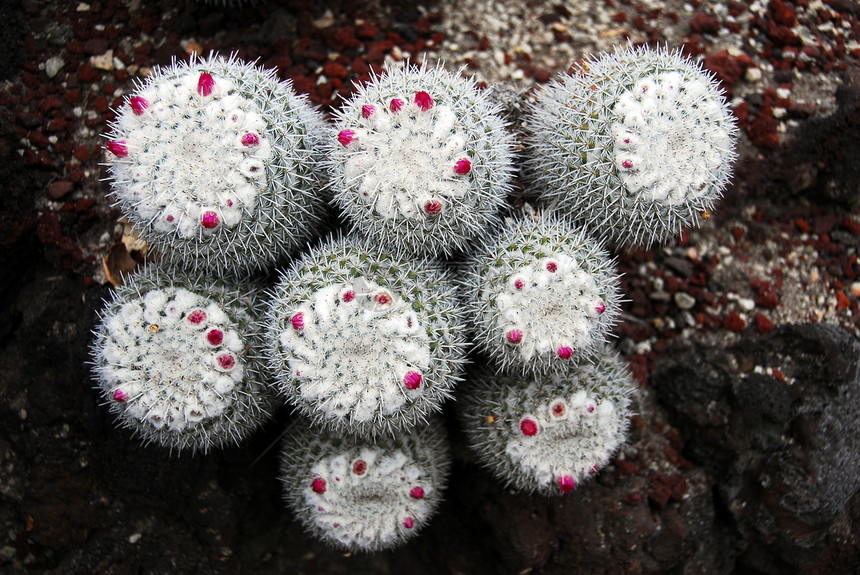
{"x": 743, "y": 457}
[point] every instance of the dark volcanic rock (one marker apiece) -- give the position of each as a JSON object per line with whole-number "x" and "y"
{"x": 774, "y": 420}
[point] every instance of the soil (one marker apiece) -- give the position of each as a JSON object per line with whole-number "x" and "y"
{"x": 743, "y": 455}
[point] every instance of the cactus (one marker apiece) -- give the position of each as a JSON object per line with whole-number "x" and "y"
{"x": 216, "y": 165}
{"x": 177, "y": 361}
{"x": 540, "y": 295}
{"x": 364, "y": 342}
{"x": 420, "y": 161}
{"x": 362, "y": 495}
{"x": 548, "y": 434}
{"x": 636, "y": 145}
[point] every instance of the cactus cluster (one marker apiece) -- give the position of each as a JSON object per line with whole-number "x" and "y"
{"x": 177, "y": 360}
{"x": 219, "y": 167}
{"x": 636, "y": 145}
{"x": 363, "y": 495}
{"x": 541, "y": 295}
{"x": 547, "y": 434}
{"x": 362, "y": 341}
{"x": 214, "y": 163}
{"x": 420, "y": 161}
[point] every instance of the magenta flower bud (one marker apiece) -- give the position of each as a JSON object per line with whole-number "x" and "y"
{"x": 250, "y": 139}
{"x": 367, "y": 111}
{"x": 138, "y": 105}
{"x": 395, "y": 105}
{"x": 209, "y": 220}
{"x": 205, "y": 84}
{"x": 318, "y": 485}
{"x": 529, "y": 427}
{"x": 118, "y": 148}
{"x": 462, "y": 167}
{"x": 298, "y": 321}
{"x": 423, "y": 100}
{"x": 566, "y": 483}
{"x": 412, "y": 380}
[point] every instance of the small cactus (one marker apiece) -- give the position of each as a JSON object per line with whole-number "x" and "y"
{"x": 421, "y": 162}
{"x": 216, "y": 165}
{"x": 364, "y": 342}
{"x": 548, "y": 434}
{"x": 362, "y": 495}
{"x": 176, "y": 361}
{"x": 636, "y": 145}
{"x": 540, "y": 295}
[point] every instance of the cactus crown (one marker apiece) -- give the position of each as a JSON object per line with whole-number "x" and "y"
{"x": 213, "y": 163}
{"x": 176, "y": 360}
{"x": 540, "y": 295}
{"x": 636, "y": 145}
{"x": 548, "y": 434}
{"x": 362, "y": 341}
{"x": 361, "y": 495}
{"x": 421, "y": 161}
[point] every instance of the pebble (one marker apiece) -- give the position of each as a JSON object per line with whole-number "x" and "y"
{"x": 855, "y": 289}
{"x": 684, "y": 300}
{"x": 53, "y": 66}
{"x": 102, "y": 61}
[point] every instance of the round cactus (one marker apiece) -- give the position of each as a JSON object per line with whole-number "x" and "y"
{"x": 540, "y": 295}
{"x": 362, "y": 341}
{"x": 636, "y": 145}
{"x": 362, "y": 495}
{"x": 177, "y": 361}
{"x": 216, "y": 165}
{"x": 548, "y": 434}
{"x": 421, "y": 161}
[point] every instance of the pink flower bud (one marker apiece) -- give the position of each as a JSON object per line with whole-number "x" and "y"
{"x": 209, "y": 220}
{"x": 298, "y": 321}
{"x": 627, "y": 164}
{"x": 250, "y": 139}
{"x": 566, "y": 483}
{"x": 600, "y": 307}
{"x": 119, "y": 396}
{"x": 551, "y": 267}
{"x": 417, "y": 492}
{"x": 423, "y": 100}
{"x": 408, "y": 523}
{"x": 118, "y": 148}
{"x": 215, "y": 336}
{"x": 367, "y": 111}
{"x": 395, "y": 105}
{"x": 226, "y": 361}
{"x": 348, "y": 296}
{"x": 138, "y": 105}
{"x": 197, "y": 316}
{"x": 318, "y": 485}
{"x": 558, "y": 409}
{"x": 359, "y": 467}
{"x": 205, "y": 84}
{"x": 383, "y": 299}
{"x": 529, "y": 427}
{"x": 565, "y": 352}
{"x": 515, "y": 336}
{"x": 346, "y": 137}
{"x": 462, "y": 167}
{"x": 518, "y": 284}
{"x": 412, "y": 380}
{"x": 432, "y": 207}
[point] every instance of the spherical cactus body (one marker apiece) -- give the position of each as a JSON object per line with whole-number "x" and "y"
{"x": 636, "y": 145}
{"x": 548, "y": 434}
{"x": 363, "y": 495}
{"x": 421, "y": 161}
{"x": 216, "y": 165}
{"x": 540, "y": 295}
{"x": 362, "y": 341}
{"x": 177, "y": 361}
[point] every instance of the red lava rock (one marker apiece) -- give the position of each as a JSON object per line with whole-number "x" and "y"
{"x": 662, "y": 488}
{"x": 842, "y": 301}
{"x": 633, "y": 499}
{"x": 86, "y": 73}
{"x": 59, "y": 189}
{"x": 802, "y": 225}
{"x": 728, "y": 69}
{"x": 625, "y": 467}
{"x": 704, "y": 23}
{"x": 335, "y": 70}
{"x": 781, "y": 13}
{"x": 762, "y": 323}
{"x": 96, "y": 46}
{"x": 84, "y": 204}
{"x": 368, "y": 30}
{"x": 763, "y": 130}
{"x": 734, "y": 322}
{"x": 82, "y": 153}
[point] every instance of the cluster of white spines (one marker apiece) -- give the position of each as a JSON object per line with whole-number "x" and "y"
{"x": 362, "y": 495}
{"x": 541, "y": 295}
{"x": 421, "y": 161}
{"x": 176, "y": 361}
{"x": 364, "y": 342}
{"x": 636, "y": 145}
{"x": 211, "y": 162}
{"x": 549, "y": 433}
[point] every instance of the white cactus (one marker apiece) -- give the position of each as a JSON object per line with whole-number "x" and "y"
{"x": 216, "y": 165}
{"x": 176, "y": 361}
{"x": 361, "y": 341}
{"x": 548, "y": 434}
{"x": 364, "y": 495}
{"x": 421, "y": 161}
{"x": 540, "y": 295}
{"x": 636, "y": 145}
